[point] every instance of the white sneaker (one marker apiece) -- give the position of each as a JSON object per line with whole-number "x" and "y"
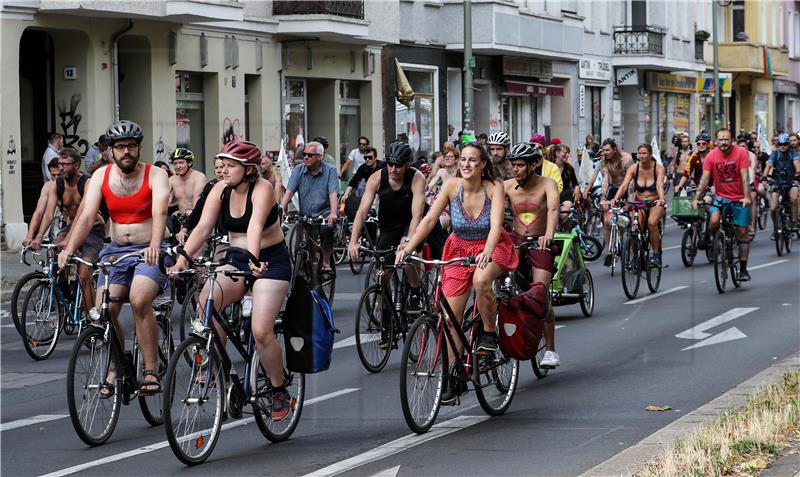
{"x": 550, "y": 359}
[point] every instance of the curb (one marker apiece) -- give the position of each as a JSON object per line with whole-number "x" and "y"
{"x": 627, "y": 462}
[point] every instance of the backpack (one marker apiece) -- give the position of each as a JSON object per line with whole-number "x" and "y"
{"x": 308, "y": 330}
{"x": 521, "y": 322}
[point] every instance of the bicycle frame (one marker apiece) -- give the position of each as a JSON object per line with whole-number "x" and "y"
{"x": 568, "y": 243}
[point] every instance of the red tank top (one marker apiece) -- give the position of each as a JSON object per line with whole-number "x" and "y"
{"x": 131, "y": 209}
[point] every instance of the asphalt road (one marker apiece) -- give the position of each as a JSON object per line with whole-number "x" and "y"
{"x": 614, "y": 364}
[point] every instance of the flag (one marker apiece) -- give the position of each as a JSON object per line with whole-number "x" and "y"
{"x": 656, "y": 150}
{"x": 762, "y": 139}
{"x": 286, "y": 166}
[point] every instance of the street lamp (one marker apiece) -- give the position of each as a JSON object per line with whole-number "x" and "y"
{"x": 715, "y": 44}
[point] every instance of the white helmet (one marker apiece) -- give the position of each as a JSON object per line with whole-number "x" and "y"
{"x": 499, "y": 138}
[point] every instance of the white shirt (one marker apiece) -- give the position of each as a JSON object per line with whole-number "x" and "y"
{"x": 356, "y": 159}
{"x": 49, "y": 154}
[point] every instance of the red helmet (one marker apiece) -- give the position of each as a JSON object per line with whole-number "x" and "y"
{"x": 241, "y": 151}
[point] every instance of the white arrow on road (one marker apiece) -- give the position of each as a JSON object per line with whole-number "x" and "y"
{"x": 390, "y": 472}
{"x": 699, "y": 332}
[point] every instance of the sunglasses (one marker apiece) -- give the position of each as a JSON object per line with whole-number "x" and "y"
{"x": 367, "y": 158}
{"x": 363, "y": 144}
{"x": 780, "y": 144}
{"x": 310, "y": 154}
{"x": 66, "y": 164}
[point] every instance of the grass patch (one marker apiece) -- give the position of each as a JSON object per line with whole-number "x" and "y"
{"x": 742, "y": 442}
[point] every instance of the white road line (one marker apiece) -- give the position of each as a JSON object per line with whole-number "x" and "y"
{"x": 163, "y": 444}
{"x": 399, "y": 445}
{"x": 351, "y": 341}
{"x": 670, "y": 248}
{"x": 7, "y": 426}
{"x": 765, "y": 265}
{"x": 655, "y": 295}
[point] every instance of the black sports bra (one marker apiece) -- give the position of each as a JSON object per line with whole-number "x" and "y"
{"x": 644, "y": 188}
{"x": 239, "y": 224}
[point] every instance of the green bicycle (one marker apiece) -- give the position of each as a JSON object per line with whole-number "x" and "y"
{"x": 572, "y": 282}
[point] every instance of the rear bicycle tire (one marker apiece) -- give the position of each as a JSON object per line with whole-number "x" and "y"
{"x": 538, "y": 370}
{"x": 689, "y": 246}
{"x": 42, "y": 320}
{"x": 194, "y": 382}
{"x": 496, "y": 383}
{"x": 422, "y": 380}
{"x": 587, "y": 300}
{"x": 787, "y": 235}
{"x": 153, "y": 405}
{"x": 86, "y": 383}
{"x": 631, "y": 267}
{"x": 369, "y": 327}
{"x": 21, "y": 289}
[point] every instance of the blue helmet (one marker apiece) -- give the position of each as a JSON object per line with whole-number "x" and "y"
{"x": 702, "y": 137}
{"x": 783, "y": 139}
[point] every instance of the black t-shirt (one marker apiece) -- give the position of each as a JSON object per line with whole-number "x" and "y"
{"x": 363, "y": 172}
{"x": 395, "y": 205}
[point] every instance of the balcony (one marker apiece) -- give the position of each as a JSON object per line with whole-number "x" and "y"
{"x": 752, "y": 58}
{"x": 639, "y": 40}
{"x": 340, "y": 8}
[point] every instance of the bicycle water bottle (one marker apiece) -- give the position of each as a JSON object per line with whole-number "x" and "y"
{"x": 247, "y": 306}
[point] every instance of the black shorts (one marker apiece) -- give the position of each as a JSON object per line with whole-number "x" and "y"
{"x": 390, "y": 237}
{"x": 276, "y": 256}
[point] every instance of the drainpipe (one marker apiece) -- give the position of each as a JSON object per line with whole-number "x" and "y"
{"x": 469, "y": 64}
{"x": 115, "y": 68}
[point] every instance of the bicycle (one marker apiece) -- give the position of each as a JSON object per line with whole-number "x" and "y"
{"x": 101, "y": 376}
{"x": 388, "y": 296}
{"x": 725, "y": 252}
{"x": 783, "y": 219}
{"x": 202, "y": 387}
{"x": 52, "y": 303}
{"x": 635, "y": 255}
{"x": 593, "y": 223}
{"x": 619, "y": 222}
{"x": 694, "y": 222}
{"x": 591, "y": 248}
{"x": 308, "y": 255}
{"x": 762, "y": 211}
{"x": 424, "y": 366}
{"x": 25, "y": 283}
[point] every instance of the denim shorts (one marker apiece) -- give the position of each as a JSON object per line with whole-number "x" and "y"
{"x": 122, "y": 272}
{"x": 741, "y": 215}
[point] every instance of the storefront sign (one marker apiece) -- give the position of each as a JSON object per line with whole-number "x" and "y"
{"x": 534, "y": 89}
{"x": 516, "y": 66}
{"x": 582, "y": 101}
{"x": 595, "y": 69}
{"x": 627, "y": 77}
{"x": 705, "y": 85}
{"x": 671, "y": 83}
{"x": 786, "y": 87}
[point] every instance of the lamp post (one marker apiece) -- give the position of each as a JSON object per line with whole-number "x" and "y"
{"x": 469, "y": 64}
{"x": 715, "y": 46}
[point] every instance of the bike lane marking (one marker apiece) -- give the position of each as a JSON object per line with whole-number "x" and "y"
{"x": 655, "y": 295}
{"x": 163, "y": 444}
{"x": 765, "y": 265}
{"x": 351, "y": 341}
{"x": 7, "y": 426}
{"x": 399, "y": 445}
{"x": 698, "y": 332}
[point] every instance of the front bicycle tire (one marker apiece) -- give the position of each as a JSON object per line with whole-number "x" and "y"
{"x": 763, "y": 212}
{"x": 194, "y": 389}
{"x": 327, "y": 283}
{"x": 587, "y": 294}
{"x": 18, "y": 297}
{"x": 613, "y": 247}
{"x": 631, "y": 267}
{"x": 42, "y": 319}
{"x": 720, "y": 261}
{"x": 689, "y": 246}
{"x": 779, "y": 233}
{"x": 652, "y": 273}
{"x": 541, "y": 348}
{"x": 787, "y": 234}
{"x": 590, "y": 248}
{"x": 422, "y": 379}
{"x": 369, "y": 328}
{"x": 94, "y": 403}
{"x": 153, "y": 405}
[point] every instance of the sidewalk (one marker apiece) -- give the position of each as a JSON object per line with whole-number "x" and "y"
{"x": 11, "y": 270}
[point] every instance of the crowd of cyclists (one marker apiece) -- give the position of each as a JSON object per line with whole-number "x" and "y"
{"x": 480, "y": 199}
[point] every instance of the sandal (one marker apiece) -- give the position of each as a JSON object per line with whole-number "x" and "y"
{"x": 107, "y": 388}
{"x": 148, "y": 388}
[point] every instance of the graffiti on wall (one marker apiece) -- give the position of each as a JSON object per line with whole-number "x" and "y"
{"x": 11, "y": 156}
{"x": 230, "y": 130}
{"x": 161, "y": 149}
{"x": 70, "y": 121}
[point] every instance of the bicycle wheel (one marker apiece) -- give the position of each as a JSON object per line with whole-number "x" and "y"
{"x": 594, "y": 226}
{"x": 538, "y": 370}
{"x": 194, "y": 388}
{"x": 339, "y": 255}
{"x": 720, "y": 261}
{"x": 587, "y": 299}
{"x": 733, "y": 261}
{"x": 292, "y": 242}
{"x": 18, "y": 296}
{"x": 631, "y": 267}
{"x": 165, "y": 301}
{"x": 189, "y": 310}
{"x": 94, "y": 403}
{"x": 369, "y": 328}
{"x": 42, "y": 319}
{"x": 613, "y": 251}
{"x": 328, "y": 283}
{"x": 371, "y": 277}
{"x": 653, "y": 276}
{"x": 422, "y": 380}
{"x": 689, "y": 246}
{"x": 495, "y": 379}
{"x": 356, "y": 266}
{"x": 295, "y": 384}
{"x": 778, "y": 227}
{"x": 763, "y": 212}
{"x": 591, "y": 248}
{"x": 787, "y": 234}
{"x": 153, "y": 405}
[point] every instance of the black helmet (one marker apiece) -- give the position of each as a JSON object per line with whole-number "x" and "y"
{"x": 124, "y": 129}
{"x": 322, "y": 140}
{"x": 526, "y": 151}
{"x": 182, "y": 153}
{"x": 398, "y": 154}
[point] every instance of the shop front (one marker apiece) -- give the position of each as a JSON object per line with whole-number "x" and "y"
{"x": 594, "y": 97}
{"x": 669, "y": 105}
{"x": 787, "y": 105}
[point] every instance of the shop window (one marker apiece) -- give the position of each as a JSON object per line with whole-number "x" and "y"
{"x": 295, "y": 112}
{"x": 189, "y": 120}
{"x": 349, "y": 114}
{"x": 417, "y": 124}
{"x": 680, "y": 113}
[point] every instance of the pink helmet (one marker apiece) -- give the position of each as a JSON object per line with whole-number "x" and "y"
{"x": 538, "y": 139}
{"x": 241, "y": 151}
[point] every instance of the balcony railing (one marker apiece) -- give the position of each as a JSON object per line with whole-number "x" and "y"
{"x": 639, "y": 40}
{"x": 340, "y": 8}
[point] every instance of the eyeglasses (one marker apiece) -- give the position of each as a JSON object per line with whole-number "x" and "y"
{"x": 367, "y": 158}
{"x": 125, "y": 147}
{"x": 363, "y": 144}
{"x": 66, "y": 164}
{"x": 783, "y": 144}
{"x": 702, "y": 143}
{"x": 306, "y": 154}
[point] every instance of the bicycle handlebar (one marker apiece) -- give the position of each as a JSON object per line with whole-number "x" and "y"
{"x": 468, "y": 261}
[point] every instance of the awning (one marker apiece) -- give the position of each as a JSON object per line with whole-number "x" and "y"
{"x": 533, "y": 89}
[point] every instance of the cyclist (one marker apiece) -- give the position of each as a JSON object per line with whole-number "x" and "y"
{"x": 728, "y": 166}
{"x": 317, "y": 185}
{"x": 534, "y": 202}
{"x": 186, "y": 185}
{"x": 682, "y": 154}
{"x": 547, "y": 168}
{"x": 371, "y": 164}
{"x": 41, "y": 205}
{"x": 401, "y": 191}
{"x": 614, "y": 167}
{"x": 647, "y": 178}
{"x": 499, "y": 143}
{"x": 136, "y": 195}
{"x": 437, "y": 180}
{"x": 571, "y": 193}
{"x": 474, "y": 194}
{"x": 783, "y": 166}
{"x": 234, "y": 202}
{"x": 694, "y": 166}
{"x": 67, "y": 195}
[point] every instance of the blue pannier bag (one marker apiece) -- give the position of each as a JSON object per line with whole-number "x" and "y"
{"x": 308, "y": 330}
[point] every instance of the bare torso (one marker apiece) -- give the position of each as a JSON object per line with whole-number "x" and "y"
{"x": 529, "y": 206}
{"x": 71, "y": 201}
{"x": 185, "y": 189}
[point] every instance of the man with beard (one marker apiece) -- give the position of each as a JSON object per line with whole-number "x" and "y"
{"x": 68, "y": 194}
{"x": 498, "y": 148}
{"x": 41, "y": 205}
{"x": 694, "y": 166}
{"x": 681, "y": 158}
{"x": 137, "y": 195}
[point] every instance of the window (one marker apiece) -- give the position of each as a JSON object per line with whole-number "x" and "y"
{"x": 638, "y": 12}
{"x": 349, "y": 114}
{"x": 737, "y": 18}
{"x": 417, "y": 124}
{"x": 295, "y": 113}
{"x": 189, "y": 122}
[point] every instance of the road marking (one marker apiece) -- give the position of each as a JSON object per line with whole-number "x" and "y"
{"x": 765, "y": 265}
{"x": 7, "y": 426}
{"x": 670, "y": 248}
{"x": 399, "y": 445}
{"x": 656, "y": 295}
{"x": 390, "y": 472}
{"x": 699, "y": 332}
{"x": 351, "y": 341}
{"x": 21, "y": 380}
{"x": 163, "y": 444}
